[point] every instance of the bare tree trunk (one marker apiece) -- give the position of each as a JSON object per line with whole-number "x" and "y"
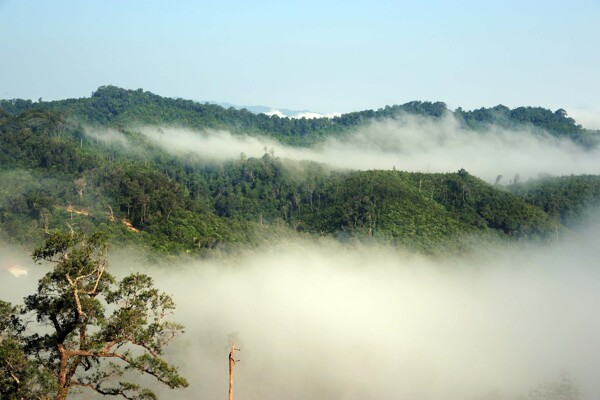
{"x": 111, "y": 215}
{"x": 232, "y": 362}
{"x": 63, "y": 388}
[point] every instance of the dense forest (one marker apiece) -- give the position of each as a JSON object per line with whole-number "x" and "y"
{"x": 55, "y": 176}
{"x": 121, "y": 108}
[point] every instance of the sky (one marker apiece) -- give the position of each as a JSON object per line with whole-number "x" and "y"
{"x": 323, "y": 56}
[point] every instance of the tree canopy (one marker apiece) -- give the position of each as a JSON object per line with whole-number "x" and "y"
{"x": 93, "y": 332}
{"x": 55, "y": 174}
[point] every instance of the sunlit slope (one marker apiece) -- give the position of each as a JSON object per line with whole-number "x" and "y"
{"x": 414, "y": 210}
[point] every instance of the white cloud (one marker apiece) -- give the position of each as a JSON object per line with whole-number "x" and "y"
{"x": 332, "y": 321}
{"x": 318, "y": 319}
{"x": 276, "y": 112}
{"x": 410, "y": 144}
{"x": 107, "y": 136}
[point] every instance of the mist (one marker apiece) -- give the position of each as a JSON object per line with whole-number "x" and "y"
{"x": 321, "y": 319}
{"x": 409, "y": 143}
{"x": 324, "y": 320}
{"x": 108, "y": 136}
{"x": 328, "y": 320}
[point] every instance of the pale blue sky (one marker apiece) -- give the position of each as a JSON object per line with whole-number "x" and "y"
{"x": 319, "y": 55}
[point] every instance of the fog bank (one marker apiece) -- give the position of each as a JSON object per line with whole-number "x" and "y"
{"x": 324, "y": 320}
{"x": 408, "y": 143}
{"x": 335, "y": 322}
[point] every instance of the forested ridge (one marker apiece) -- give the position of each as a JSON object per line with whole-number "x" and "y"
{"x": 55, "y": 176}
{"x": 121, "y": 108}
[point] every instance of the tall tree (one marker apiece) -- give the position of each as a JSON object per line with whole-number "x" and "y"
{"x": 86, "y": 346}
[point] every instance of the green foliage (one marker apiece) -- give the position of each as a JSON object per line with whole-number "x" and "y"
{"x": 120, "y": 108}
{"x": 565, "y": 198}
{"x": 72, "y": 300}
{"x": 478, "y": 204}
{"x": 384, "y": 205}
{"x": 427, "y": 212}
{"x": 556, "y": 123}
{"x": 41, "y": 139}
{"x": 55, "y": 176}
{"x": 20, "y": 377}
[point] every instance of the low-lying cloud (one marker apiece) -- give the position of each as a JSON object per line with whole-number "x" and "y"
{"x": 408, "y": 143}
{"x": 319, "y": 319}
{"x": 108, "y": 136}
{"x": 328, "y": 321}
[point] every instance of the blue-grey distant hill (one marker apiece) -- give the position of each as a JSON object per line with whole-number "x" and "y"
{"x": 264, "y": 109}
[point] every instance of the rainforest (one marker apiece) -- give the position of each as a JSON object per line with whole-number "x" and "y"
{"x": 412, "y": 250}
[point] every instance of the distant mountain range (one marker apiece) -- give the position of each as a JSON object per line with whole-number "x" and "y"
{"x": 280, "y": 112}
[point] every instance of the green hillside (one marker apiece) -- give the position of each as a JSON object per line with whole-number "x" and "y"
{"x": 121, "y": 108}
{"x": 55, "y": 177}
